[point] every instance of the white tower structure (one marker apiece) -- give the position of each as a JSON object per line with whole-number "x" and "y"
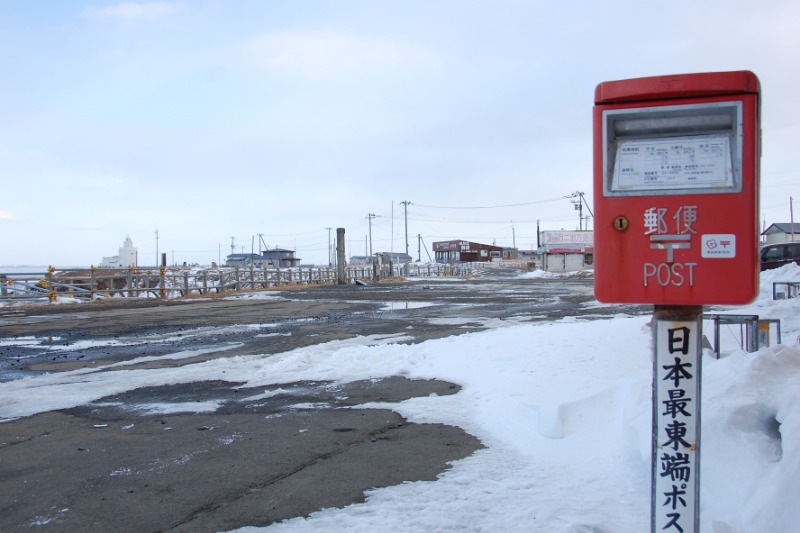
{"x": 127, "y": 258}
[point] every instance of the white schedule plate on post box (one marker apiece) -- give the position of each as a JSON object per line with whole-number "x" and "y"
{"x": 673, "y": 163}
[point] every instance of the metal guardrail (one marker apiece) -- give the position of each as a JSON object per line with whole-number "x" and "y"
{"x": 754, "y": 332}
{"x": 412, "y": 270}
{"x": 792, "y": 290}
{"x": 96, "y": 283}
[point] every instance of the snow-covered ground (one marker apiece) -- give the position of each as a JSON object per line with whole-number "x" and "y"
{"x": 563, "y": 409}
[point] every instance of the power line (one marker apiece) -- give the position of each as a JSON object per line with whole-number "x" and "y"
{"x": 488, "y": 206}
{"x": 428, "y": 218}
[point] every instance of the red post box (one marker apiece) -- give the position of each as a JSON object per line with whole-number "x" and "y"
{"x": 676, "y": 172}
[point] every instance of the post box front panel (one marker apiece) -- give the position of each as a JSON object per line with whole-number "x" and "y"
{"x": 676, "y": 201}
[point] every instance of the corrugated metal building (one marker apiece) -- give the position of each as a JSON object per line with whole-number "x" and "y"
{"x": 567, "y": 251}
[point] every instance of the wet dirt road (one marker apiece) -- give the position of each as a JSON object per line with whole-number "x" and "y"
{"x": 112, "y": 464}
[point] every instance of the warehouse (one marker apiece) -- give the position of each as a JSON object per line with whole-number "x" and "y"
{"x": 465, "y": 252}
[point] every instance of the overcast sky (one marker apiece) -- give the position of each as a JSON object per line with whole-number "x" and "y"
{"x": 207, "y": 120}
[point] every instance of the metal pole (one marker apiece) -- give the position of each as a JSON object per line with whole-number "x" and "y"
{"x": 513, "y": 238}
{"x": 391, "y": 241}
{"x": 330, "y": 261}
{"x": 370, "y": 216}
{"x": 405, "y": 215}
{"x": 538, "y": 244}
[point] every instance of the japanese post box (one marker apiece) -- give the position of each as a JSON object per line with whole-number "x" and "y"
{"x": 676, "y": 172}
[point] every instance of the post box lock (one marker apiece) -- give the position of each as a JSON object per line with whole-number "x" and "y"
{"x": 620, "y": 223}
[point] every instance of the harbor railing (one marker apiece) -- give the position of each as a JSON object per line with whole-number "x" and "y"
{"x": 175, "y": 282}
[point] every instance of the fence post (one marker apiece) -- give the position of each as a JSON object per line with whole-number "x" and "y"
{"x": 51, "y": 295}
{"x": 163, "y": 282}
{"x": 140, "y": 282}
{"x": 186, "y": 283}
{"x": 93, "y": 281}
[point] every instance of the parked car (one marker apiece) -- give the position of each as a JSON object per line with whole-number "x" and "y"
{"x": 777, "y": 255}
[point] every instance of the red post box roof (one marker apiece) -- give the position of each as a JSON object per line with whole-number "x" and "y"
{"x": 678, "y": 86}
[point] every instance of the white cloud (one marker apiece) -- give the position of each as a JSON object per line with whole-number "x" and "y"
{"x": 131, "y": 12}
{"x": 320, "y": 54}
{"x": 5, "y": 215}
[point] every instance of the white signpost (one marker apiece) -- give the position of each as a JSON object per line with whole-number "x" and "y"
{"x": 676, "y": 419}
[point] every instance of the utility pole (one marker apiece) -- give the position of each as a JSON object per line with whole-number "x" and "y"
{"x": 260, "y": 240}
{"x": 405, "y": 212}
{"x": 588, "y": 209}
{"x": 579, "y": 203}
{"x": 579, "y": 207}
{"x": 156, "y": 247}
{"x": 391, "y": 241}
{"x": 426, "y": 249}
{"x": 330, "y": 261}
{"x": 233, "y": 245}
{"x": 370, "y": 217}
{"x": 513, "y": 237}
